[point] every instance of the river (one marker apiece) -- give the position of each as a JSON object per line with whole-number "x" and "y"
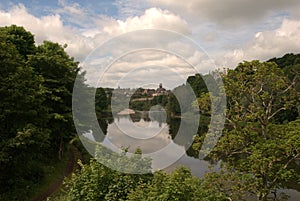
{"x": 151, "y": 133}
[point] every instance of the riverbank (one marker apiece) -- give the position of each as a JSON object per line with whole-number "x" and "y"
{"x": 126, "y": 111}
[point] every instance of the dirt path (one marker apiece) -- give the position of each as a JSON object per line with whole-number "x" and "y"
{"x": 74, "y": 155}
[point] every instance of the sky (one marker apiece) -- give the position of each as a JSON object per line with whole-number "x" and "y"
{"x": 224, "y": 33}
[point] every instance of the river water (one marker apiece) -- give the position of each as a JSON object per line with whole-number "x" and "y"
{"x": 151, "y": 133}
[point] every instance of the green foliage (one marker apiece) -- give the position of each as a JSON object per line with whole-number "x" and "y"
{"x": 95, "y": 181}
{"x": 101, "y": 101}
{"x": 145, "y": 105}
{"x": 160, "y": 100}
{"x": 235, "y": 185}
{"x": 59, "y": 72}
{"x": 253, "y": 144}
{"x": 22, "y": 114}
{"x": 179, "y": 185}
{"x": 290, "y": 64}
{"x": 198, "y": 84}
{"x": 261, "y": 155}
{"x": 20, "y": 38}
{"x": 36, "y": 91}
{"x": 287, "y": 60}
{"x": 140, "y": 105}
{"x": 273, "y": 163}
{"x": 173, "y": 105}
{"x": 256, "y": 93}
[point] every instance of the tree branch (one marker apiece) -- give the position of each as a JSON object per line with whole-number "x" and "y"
{"x": 291, "y": 85}
{"x": 270, "y": 117}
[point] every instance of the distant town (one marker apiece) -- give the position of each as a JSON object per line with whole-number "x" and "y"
{"x": 141, "y": 92}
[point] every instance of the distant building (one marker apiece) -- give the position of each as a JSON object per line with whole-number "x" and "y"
{"x": 149, "y": 92}
{"x": 160, "y": 91}
{"x": 139, "y": 92}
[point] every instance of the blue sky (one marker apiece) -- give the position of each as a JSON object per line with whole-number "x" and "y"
{"x": 118, "y": 9}
{"x": 39, "y": 8}
{"x": 228, "y": 32}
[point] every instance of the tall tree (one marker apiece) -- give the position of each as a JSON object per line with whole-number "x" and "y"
{"x": 22, "y": 114}
{"x": 59, "y": 71}
{"x": 21, "y": 39}
{"x": 257, "y": 92}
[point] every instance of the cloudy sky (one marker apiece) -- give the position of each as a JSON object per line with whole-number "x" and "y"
{"x": 225, "y": 32}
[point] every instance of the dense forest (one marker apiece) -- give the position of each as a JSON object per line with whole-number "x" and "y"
{"x": 35, "y": 112}
{"x": 259, "y": 148}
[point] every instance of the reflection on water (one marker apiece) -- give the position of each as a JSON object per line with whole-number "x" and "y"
{"x": 148, "y": 135}
{"x": 151, "y": 131}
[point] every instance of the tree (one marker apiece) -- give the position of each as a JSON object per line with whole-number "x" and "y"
{"x": 177, "y": 186}
{"x": 101, "y": 101}
{"x": 271, "y": 164}
{"x": 173, "y": 106}
{"x": 22, "y": 114}
{"x": 287, "y": 60}
{"x": 95, "y": 181}
{"x": 180, "y": 100}
{"x": 160, "y": 100}
{"x": 257, "y": 92}
{"x": 253, "y": 143}
{"x": 59, "y": 72}
{"x": 198, "y": 84}
{"x": 36, "y": 86}
{"x": 21, "y": 39}
{"x": 290, "y": 64}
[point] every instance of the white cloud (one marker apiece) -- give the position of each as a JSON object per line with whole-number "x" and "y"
{"x": 49, "y": 27}
{"x": 228, "y": 12}
{"x": 267, "y": 44}
{"x": 146, "y": 49}
{"x": 145, "y": 66}
{"x": 153, "y": 18}
{"x": 264, "y": 44}
{"x": 82, "y": 42}
{"x": 230, "y": 59}
{"x": 280, "y": 41}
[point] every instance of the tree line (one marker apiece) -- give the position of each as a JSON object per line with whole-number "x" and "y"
{"x": 36, "y": 83}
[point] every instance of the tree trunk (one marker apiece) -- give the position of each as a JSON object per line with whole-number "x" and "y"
{"x": 264, "y": 130}
{"x": 61, "y": 149}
